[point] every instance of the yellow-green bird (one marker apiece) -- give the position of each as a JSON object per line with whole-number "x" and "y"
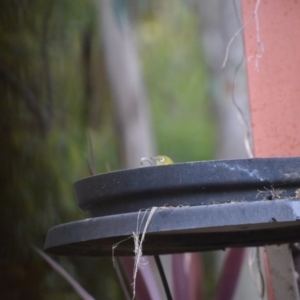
{"x": 157, "y": 160}
{"x": 162, "y": 160}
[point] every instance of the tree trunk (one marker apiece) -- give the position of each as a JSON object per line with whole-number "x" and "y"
{"x": 131, "y": 111}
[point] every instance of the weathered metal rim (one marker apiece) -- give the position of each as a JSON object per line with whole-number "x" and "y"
{"x": 188, "y": 184}
{"x": 182, "y": 229}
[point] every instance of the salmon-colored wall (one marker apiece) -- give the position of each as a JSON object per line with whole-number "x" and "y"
{"x": 274, "y": 89}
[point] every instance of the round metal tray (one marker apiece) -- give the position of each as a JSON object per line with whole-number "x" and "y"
{"x": 201, "y": 206}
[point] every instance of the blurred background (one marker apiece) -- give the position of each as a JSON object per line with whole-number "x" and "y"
{"x": 94, "y": 85}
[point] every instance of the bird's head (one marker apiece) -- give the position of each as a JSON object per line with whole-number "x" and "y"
{"x": 163, "y": 160}
{"x": 157, "y": 160}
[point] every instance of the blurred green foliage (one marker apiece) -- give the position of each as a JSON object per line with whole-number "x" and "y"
{"x": 176, "y": 82}
{"x": 55, "y": 98}
{"x": 47, "y": 110}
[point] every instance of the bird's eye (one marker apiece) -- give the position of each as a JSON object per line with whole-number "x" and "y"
{"x": 161, "y": 159}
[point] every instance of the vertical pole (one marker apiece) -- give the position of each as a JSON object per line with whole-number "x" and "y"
{"x": 272, "y": 48}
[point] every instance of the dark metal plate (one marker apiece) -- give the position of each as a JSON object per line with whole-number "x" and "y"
{"x": 202, "y": 206}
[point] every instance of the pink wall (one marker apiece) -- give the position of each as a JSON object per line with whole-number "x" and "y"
{"x": 274, "y": 88}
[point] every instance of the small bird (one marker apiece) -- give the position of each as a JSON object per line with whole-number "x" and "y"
{"x": 163, "y": 160}
{"x": 157, "y": 160}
